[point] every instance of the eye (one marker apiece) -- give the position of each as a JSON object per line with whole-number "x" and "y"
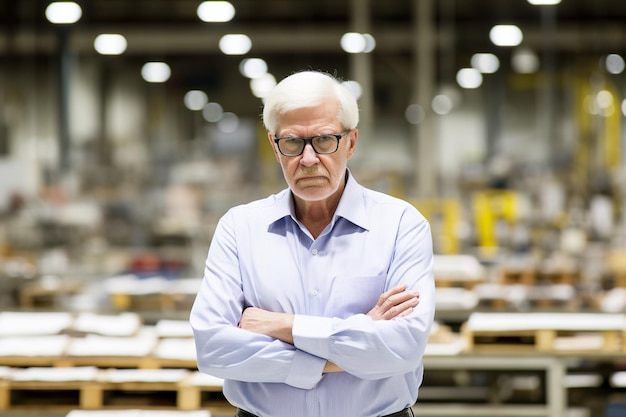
{"x": 292, "y": 141}
{"x": 325, "y": 139}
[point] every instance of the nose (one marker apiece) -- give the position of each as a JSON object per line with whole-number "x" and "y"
{"x": 309, "y": 157}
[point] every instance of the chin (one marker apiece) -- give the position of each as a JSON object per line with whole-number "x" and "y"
{"x": 310, "y": 195}
{"x": 313, "y": 193}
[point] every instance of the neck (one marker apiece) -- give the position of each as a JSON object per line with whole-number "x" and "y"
{"x": 316, "y": 215}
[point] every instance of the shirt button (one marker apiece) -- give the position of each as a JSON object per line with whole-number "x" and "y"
{"x": 314, "y": 251}
{"x": 314, "y": 293}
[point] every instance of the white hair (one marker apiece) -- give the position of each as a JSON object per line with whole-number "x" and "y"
{"x": 309, "y": 89}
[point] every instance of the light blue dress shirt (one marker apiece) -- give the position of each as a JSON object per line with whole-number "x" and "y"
{"x": 262, "y": 256}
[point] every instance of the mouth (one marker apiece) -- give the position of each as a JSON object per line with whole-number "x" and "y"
{"x": 311, "y": 179}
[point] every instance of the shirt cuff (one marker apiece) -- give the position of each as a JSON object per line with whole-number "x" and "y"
{"x": 306, "y": 370}
{"x": 311, "y": 334}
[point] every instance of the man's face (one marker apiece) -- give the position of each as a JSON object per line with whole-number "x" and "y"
{"x": 311, "y": 176}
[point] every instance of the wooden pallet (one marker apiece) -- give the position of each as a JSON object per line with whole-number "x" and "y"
{"x": 616, "y": 268}
{"x": 517, "y": 276}
{"x": 564, "y": 276}
{"x": 538, "y": 276}
{"x": 532, "y": 332}
{"x": 542, "y": 340}
{"x": 101, "y": 394}
{"x": 99, "y": 361}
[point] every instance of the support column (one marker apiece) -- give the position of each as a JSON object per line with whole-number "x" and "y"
{"x": 63, "y": 100}
{"x": 424, "y": 80}
{"x": 361, "y": 72}
{"x": 546, "y": 100}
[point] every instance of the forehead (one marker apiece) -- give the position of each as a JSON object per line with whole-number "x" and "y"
{"x": 324, "y": 115}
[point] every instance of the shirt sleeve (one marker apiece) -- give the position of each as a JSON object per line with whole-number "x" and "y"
{"x": 371, "y": 349}
{"x": 227, "y": 351}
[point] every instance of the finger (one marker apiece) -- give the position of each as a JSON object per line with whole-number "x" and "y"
{"x": 396, "y": 299}
{"x": 404, "y": 313}
{"x": 403, "y": 308}
{"x": 389, "y": 293}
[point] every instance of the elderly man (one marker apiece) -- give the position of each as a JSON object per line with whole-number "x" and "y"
{"x": 317, "y": 301}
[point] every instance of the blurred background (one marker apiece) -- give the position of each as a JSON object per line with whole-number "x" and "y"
{"x": 127, "y": 128}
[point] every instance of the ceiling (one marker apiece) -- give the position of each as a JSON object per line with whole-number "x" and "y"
{"x": 296, "y": 34}
{"x": 312, "y": 26}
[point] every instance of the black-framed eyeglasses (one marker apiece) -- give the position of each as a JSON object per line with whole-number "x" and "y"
{"x": 321, "y": 144}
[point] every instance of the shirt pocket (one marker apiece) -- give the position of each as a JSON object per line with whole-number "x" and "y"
{"x": 352, "y": 295}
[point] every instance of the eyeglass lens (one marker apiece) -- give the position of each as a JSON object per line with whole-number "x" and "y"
{"x": 321, "y": 144}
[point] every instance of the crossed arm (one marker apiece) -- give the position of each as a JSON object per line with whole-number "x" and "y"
{"x": 397, "y": 302}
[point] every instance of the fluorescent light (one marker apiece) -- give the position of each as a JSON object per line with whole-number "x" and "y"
{"x": 442, "y": 104}
{"x": 544, "y": 2}
{"x": 506, "y": 35}
{"x": 195, "y": 100}
{"x": 216, "y": 11}
{"x": 253, "y": 68}
{"x": 353, "y": 87}
{"x": 262, "y": 86}
{"x": 110, "y": 44}
{"x": 524, "y": 61}
{"x": 156, "y": 72}
{"x": 353, "y": 43}
{"x": 212, "y": 112}
{"x": 414, "y": 114}
{"x": 370, "y": 43}
{"x": 228, "y": 123}
{"x": 63, "y": 12}
{"x": 614, "y": 64}
{"x": 469, "y": 78}
{"x": 485, "y": 63}
{"x": 235, "y": 44}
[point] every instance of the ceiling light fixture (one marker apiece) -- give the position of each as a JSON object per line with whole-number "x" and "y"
{"x": 414, "y": 114}
{"x": 253, "y": 67}
{"x": 615, "y": 64}
{"x": 212, "y": 112}
{"x": 524, "y": 61}
{"x": 216, "y": 11}
{"x": 544, "y": 2}
{"x": 353, "y": 87}
{"x": 195, "y": 100}
{"x": 156, "y": 72}
{"x": 485, "y": 62}
{"x": 506, "y": 35}
{"x": 469, "y": 78}
{"x": 357, "y": 43}
{"x": 262, "y": 86}
{"x": 110, "y": 44}
{"x": 235, "y": 44}
{"x": 442, "y": 104}
{"x": 63, "y": 12}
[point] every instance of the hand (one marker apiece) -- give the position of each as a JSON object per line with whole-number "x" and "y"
{"x": 397, "y": 302}
{"x": 276, "y": 325}
{"x": 269, "y": 323}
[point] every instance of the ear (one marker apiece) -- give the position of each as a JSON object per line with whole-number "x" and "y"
{"x": 270, "y": 138}
{"x": 353, "y": 136}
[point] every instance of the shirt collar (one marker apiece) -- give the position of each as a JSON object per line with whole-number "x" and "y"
{"x": 351, "y": 205}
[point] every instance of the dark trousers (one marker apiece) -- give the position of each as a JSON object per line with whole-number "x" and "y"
{"x": 407, "y": 412}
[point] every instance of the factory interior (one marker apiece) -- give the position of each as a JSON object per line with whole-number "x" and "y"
{"x": 129, "y": 127}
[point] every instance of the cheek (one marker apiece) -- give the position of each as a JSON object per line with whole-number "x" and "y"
{"x": 289, "y": 166}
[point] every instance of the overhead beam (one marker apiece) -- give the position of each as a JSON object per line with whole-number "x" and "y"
{"x": 397, "y": 38}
